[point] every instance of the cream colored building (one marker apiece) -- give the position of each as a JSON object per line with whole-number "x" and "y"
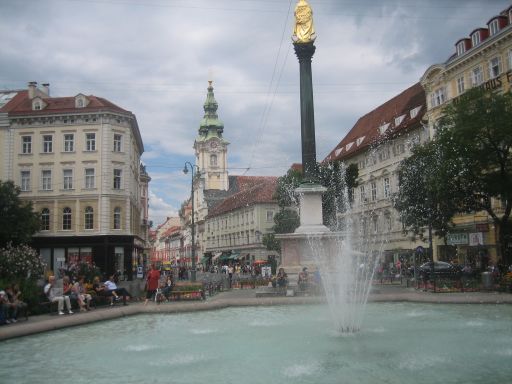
{"x": 481, "y": 59}
{"x": 377, "y": 144}
{"x": 235, "y": 227}
{"x": 78, "y": 160}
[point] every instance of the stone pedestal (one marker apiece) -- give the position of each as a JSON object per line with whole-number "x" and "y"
{"x": 310, "y": 204}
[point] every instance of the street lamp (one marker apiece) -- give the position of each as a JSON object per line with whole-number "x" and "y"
{"x": 193, "y": 256}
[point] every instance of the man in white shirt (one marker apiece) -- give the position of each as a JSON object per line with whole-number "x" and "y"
{"x": 54, "y": 295}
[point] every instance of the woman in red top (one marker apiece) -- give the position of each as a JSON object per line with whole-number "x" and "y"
{"x": 152, "y": 280}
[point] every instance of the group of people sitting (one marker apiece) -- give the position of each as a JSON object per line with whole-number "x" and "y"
{"x": 69, "y": 290}
{"x": 11, "y": 304}
{"x": 303, "y": 279}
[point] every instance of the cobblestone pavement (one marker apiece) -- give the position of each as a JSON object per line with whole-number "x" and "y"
{"x": 240, "y": 297}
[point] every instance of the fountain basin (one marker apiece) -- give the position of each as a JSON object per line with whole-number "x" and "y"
{"x": 399, "y": 343}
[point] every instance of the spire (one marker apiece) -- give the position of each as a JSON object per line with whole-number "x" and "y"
{"x": 210, "y": 124}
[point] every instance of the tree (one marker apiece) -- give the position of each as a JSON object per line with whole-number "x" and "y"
{"x": 18, "y": 222}
{"x": 475, "y": 134}
{"x": 467, "y": 168}
{"x": 339, "y": 180}
{"x": 425, "y": 197}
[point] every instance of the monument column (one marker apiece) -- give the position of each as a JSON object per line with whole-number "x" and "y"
{"x": 304, "y": 52}
{"x": 310, "y": 192}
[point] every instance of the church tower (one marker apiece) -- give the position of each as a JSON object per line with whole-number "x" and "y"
{"x": 211, "y": 148}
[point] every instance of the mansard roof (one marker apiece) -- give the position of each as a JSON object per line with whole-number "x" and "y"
{"x": 395, "y": 116}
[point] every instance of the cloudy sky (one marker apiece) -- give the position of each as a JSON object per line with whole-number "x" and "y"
{"x": 154, "y": 57}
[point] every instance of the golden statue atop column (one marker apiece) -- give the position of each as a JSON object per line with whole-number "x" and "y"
{"x": 304, "y": 31}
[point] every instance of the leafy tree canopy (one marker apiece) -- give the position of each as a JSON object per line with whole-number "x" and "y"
{"x": 468, "y": 164}
{"x": 18, "y": 222}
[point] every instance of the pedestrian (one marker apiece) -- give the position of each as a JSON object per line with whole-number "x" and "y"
{"x": 152, "y": 280}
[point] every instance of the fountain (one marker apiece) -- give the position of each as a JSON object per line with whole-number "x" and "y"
{"x": 346, "y": 273}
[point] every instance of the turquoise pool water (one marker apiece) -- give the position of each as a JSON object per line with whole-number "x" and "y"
{"x": 399, "y": 343}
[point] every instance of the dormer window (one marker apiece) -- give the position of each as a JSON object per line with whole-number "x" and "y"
{"x": 360, "y": 140}
{"x": 461, "y": 48}
{"x": 383, "y": 128}
{"x": 80, "y": 101}
{"x": 398, "y": 120}
{"x": 494, "y": 27}
{"x": 415, "y": 111}
{"x": 37, "y": 104}
{"x": 475, "y": 38}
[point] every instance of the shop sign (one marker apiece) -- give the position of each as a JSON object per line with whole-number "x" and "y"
{"x": 457, "y": 238}
{"x": 476, "y": 239}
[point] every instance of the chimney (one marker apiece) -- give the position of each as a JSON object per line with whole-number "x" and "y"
{"x": 32, "y": 86}
{"x": 46, "y": 88}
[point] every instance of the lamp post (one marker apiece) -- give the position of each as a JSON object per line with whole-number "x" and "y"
{"x": 193, "y": 256}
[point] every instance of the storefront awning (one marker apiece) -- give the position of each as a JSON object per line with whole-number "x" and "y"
{"x": 216, "y": 256}
{"x": 234, "y": 256}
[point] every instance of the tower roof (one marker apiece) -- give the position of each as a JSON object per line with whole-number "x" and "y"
{"x": 210, "y": 126}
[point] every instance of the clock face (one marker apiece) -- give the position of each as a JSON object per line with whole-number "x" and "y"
{"x": 213, "y": 144}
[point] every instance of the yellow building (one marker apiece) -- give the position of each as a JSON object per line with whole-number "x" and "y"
{"x": 481, "y": 59}
{"x": 78, "y": 160}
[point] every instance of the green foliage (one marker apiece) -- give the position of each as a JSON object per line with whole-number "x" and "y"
{"x": 426, "y": 193}
{"x": 18, "y": 222}
{"x": 286, "y": 221}
{"x": 20, "y": 262}
{"x": 467, "y": 166}
{"x": 285, "y": 190}
{"x": 271, "y": 243}
{"x": 339, "y": 181}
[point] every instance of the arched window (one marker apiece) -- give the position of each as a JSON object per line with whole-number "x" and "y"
{"x": 213, "y": 160}
{"x": 89, "y": 218}
{"x": 45, "y": 219}
{"x": 117, "y": 218}
{"x": 66, "y": 218}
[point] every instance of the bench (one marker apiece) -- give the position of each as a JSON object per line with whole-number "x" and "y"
{"x": 188, "y": 295}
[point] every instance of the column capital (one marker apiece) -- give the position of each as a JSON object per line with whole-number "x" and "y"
{"x": 304, "y": 51}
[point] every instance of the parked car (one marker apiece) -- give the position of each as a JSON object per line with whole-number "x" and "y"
{"x": 441, "y": 269}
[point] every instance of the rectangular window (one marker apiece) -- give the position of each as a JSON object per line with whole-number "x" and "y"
{"x": 25, "y": 180}
{"x": 47, "y": 143}
{"x": 26, "y": 144}
{"x": 387, "y": 190}
{"x": 46, "y": 180}
{"x": 270, "y": 216}
{"x": 494, "y": 27}
{"x": 510, "y": 59}
{"x": 374, "y": 190}
{"x": 69, "y": 142}
{"x": 437, "y": 97}
{"x": 475, "y": 39}
{"x": 477, "y": 76}
{"x": 89, "y": 178}
{"x": 460, "y": 85}
{"x": 117, "y": 179}
{"x": 67, "y": 178}
{"x": 461, "y": 48}
{"x": 90, "y": 141}
{"x": 362, "y": 194}
{"x": 117, "y": 142}
{"x": 494, "y": 67}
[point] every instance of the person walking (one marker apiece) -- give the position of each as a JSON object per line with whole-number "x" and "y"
{"x": 152, "y": 281}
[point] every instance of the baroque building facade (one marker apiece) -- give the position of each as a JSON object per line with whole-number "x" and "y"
{"x": 377, "y": 144}
{"x": 77, "y": 159}
{"x": 481, "y": 59}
